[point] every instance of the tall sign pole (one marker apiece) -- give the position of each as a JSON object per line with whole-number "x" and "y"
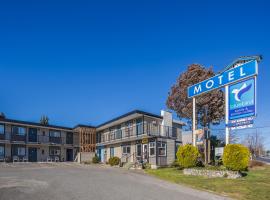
{"x": 227, "y": 130}
{"x": 194, "y": 121}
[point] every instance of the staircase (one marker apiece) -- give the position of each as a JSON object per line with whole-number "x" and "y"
{"x": 127, "y": 163}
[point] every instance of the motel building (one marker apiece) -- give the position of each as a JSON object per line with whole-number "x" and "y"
{"x": 22, "y": 141}
{"x": 140, "y": 137}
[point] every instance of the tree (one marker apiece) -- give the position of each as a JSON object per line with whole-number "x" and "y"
{"x": 212, "y": 101}
{"x": 254, "y": 142}
{"x": 44, "y": 120}
{"x": 2, "y": 115}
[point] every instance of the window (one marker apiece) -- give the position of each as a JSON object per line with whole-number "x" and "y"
{"x": 2, "y": 151}
{"x": 118, "y": 133}
{"x": 21, "y": 151}
{"x": 42, "y": 152}
{"x": 139, "y": 150}
{"x": 19, "y": 130}
{"x": 55, "y": 133}
{"x": 139, "y": 126}
{"x": 112, "y": 152}
{"x": 162, "y": 148}
{"x": 54, "y": 151}
{"x": 2, "y": 129}
{"x": 126, "y": 149}
{"x": 152, "y": 148}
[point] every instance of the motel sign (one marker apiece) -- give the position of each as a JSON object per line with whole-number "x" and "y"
{"x": 241, "y": 72}
{"x": 240, "y": 94}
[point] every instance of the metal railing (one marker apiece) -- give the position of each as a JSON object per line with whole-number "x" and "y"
{"x": 140, "y": 129}
{"x": 39, "y": 139}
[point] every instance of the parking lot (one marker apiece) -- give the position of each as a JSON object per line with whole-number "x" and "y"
{"x": 70, "y": 181}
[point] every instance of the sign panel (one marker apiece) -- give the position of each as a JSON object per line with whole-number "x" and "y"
{"x": 199, "y": 136}
{"x": 242, "y": 99}
{"x": 219, "y": 151}
{"x": 238, "y": 73}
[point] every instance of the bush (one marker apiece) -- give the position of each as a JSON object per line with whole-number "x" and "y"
{"x": 175, "y": 164}
{"x": 95, "y": 159}
{"x": 114, "y": 161}
{"x": 187, "y": 156}
{"x": 236, "y": 157}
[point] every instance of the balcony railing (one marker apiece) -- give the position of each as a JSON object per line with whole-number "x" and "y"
{"x": 39, "y": 139}
{"x": 140, "y": 129}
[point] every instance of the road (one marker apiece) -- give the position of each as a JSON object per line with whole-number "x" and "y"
{"x": 80, "y": 182}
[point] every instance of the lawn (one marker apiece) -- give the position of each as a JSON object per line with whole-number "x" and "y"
{"x": 256, "y": 185}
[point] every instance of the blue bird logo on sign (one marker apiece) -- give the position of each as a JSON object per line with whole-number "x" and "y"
{"x": 239, "y": 92}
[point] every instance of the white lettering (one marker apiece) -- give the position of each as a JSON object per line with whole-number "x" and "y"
{"x": 231, "y": 76}
{"x": 242, "y": 72}
{"x": 209, "y": 86}
{"x": 220, "y": 79}
{"x": 197, "y": 89}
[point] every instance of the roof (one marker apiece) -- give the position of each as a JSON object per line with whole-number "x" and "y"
{"x": 84, "y": 126}
{"x": 131, "y": 113}
{"x": 34, "y": 124}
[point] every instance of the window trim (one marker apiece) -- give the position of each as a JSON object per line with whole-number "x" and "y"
{"x": 18, "y": 133}
{"x": 54, "y": 131}
{"x": 21, "y": 148}
{"x": 4, "y": 152}
{"x": 4, "y": 129}
{"x": 126, "y": 146}
{"x": 152, "y": 147}
{"x": 160, "y": 147}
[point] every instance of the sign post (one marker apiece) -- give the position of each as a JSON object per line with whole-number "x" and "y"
{"x": 194, "y": 121}
{"x": 227, "y": 130}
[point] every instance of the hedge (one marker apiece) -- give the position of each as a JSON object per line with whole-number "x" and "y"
{"x": 236, "y": 157}
{"x": 187, "y": 156}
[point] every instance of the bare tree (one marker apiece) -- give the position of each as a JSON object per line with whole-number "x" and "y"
{"x": 254, "y": 141}
{"x": 44, "y": 120}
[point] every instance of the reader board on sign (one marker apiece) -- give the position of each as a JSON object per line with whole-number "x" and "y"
{"x": 241, "y": 72}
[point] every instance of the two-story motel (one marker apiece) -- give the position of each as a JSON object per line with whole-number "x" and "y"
{"x": 140, "y": 137}
{"x": 135, "y": 137}
{"x": 29, "y": 141}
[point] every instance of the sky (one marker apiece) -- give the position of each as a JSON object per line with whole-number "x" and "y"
{"x": 89, "y": 61}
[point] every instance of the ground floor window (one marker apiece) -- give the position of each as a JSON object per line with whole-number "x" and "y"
{"x": 162, "y": 148}
{"x": 139, "y": 150}
{"x": 54, "y": 151}
{"x": 2, "y": 151}
{"x": 112, "y": 152}
{"x": 126, "y": 149}
{"x": 152, "y": 148}
{"x": 21, "y": 151}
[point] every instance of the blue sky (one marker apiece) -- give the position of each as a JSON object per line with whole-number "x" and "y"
{"x": 88, "y": 61}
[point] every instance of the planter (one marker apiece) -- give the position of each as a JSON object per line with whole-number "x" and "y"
{"x": 212, "y": 173}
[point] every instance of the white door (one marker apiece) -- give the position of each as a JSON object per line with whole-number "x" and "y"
{"x": 145, "y": 152}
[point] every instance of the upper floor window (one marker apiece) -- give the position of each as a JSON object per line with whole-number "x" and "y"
{"x": 139, "y": 126}
{"x": 17, "y": 130}
{"x": 2, "y": 129}
{"x": 55, "y": 133}
{"x": 118, "y": 133}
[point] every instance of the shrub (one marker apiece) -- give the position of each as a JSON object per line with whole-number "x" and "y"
{"x": 236, "y": 157}
{"x": 187, "y": 156}
{"x": 114, "y": 161}
{"x": 95, "y": 159}
{"x": 255, "y": 163}
{"x": 175, "y": 164}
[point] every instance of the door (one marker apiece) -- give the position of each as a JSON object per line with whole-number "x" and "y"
{"x": 69, "y": 154}
{"x": 32, "y": 154}
{"x": 145, "y": 152}
{"x": 32, "y": 135}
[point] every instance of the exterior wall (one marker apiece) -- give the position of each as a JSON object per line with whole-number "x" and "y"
{"x": 42, "y": 144}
